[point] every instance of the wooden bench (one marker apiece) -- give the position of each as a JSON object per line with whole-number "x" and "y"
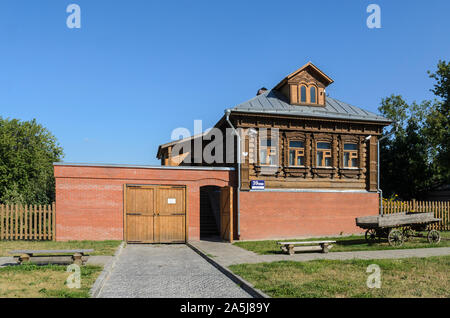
{"x": 79, "y": 256}
{"x": 291, "y": 247}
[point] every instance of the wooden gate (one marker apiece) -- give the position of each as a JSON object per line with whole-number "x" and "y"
{"x": 155, "y": 214}
{"x": 226, "y": 214}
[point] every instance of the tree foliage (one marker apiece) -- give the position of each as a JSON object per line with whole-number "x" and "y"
{"x": 27, "y": 153}
{"x": 416, "y": 159}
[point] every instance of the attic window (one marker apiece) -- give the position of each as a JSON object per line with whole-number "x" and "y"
{"x": 312, "y": 94}
{"x": 303, "y": 94}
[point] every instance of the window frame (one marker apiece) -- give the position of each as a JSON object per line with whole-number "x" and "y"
{"x": 315, "y": 94}
{"x": 330, "y": 155}
{"x": 301, "y": 95}
{"x": 270, "y": 151}
{"x": 296, "y": 153}
{"x": 353, "y": 154}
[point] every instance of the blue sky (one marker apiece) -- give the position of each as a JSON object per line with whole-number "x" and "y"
{"x": 113, "y": 90}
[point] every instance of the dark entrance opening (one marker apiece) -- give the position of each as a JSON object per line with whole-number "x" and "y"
{"x": 209, "y": 212}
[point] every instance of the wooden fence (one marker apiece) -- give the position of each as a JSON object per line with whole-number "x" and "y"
{"x": 29, "y": 222}
{"x": 440, "y": 208}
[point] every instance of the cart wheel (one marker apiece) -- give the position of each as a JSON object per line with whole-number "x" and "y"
{"x": 434, "y": 237}
{"x": 371, "y": 236}
{"x": 395, "y": 238}
{"x": 407, "y": 234}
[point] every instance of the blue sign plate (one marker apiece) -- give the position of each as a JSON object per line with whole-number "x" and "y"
{"x": 257, "y": 184}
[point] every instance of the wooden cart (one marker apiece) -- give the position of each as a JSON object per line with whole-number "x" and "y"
{"x": 399, "y": 227}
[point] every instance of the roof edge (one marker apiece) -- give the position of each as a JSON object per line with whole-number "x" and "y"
{"x": 113, "y": 165}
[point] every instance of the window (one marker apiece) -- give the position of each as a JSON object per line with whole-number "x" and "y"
{"x": 296, "y": 153}
{"x": 350, "y": 155}
{"x": 267, "y": 153}
{"x": 323, "y": 154}
{"x": 312, "y": 93}
{"x": 303, "y": 94}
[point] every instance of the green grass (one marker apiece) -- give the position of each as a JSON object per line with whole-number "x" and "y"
{"x": 100, "y": 247}
{"x": 343, "y": 244}
{"x": 33, "y": 281}
{"x": 410, "y": 277}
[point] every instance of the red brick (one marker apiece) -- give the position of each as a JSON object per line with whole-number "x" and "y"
{"x": 265, "y": 215}
{"x": 89, "y": 200}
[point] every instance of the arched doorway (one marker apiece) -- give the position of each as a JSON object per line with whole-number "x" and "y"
{"x": 209, "y": 212}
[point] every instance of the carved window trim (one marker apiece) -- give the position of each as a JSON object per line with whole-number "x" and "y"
{"x": 271, "y": 151}
{"x": 323, "y": 138}
{"x": 348, "y": 155}
{"x": 296, "y": 136}
{"x": 351, "y": 172}
{"x": 296, "y": 171}
{"x": 348, "y": 139}
{"x": 268, "y": 169}
{"x": 319, "y": 171}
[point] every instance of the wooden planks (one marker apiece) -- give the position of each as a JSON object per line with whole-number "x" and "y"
{"x": 440, "y": 209}
{"x": 226, "y": 213}
{"x": 27, "y": 222}
{"x": 155, "y": 214}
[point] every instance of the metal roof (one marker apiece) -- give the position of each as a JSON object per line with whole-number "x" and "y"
{"x": 273, "y": 102}
{"x": 112, "y": 165}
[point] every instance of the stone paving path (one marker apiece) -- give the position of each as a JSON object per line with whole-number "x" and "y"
{"x": 166, "y": 271}
{"x": 227, "y": 254}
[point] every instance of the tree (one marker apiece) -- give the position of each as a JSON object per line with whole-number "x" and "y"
{"x": 405, "y": 158}
{"x": 438, "y": 123}
{"x": 27, "y": 153}
{"x": 416, "y": 158}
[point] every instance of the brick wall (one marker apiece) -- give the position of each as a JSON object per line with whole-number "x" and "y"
{"x": 266, "y": 215}
{"x": 89, "y": 199}
{"x": 89, "y": 204}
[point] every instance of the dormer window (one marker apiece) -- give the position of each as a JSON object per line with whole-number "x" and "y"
{"x": 303, "y": 94}
{"x": 312, "y": 94}
{"x": 306, "y": 86}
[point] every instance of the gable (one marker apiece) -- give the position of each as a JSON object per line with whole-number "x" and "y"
{"x": 305, "y": 86}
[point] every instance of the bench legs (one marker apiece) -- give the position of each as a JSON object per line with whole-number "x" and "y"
{"x": 24, "y": 258}
{"x": 325, "y": 247}
{"x": 290, "y": 249}
{"x": 77, "y": 258}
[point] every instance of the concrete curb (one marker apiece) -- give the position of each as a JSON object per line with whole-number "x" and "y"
{"x": 245, "y": 285}
{"x": 104, "y": 275}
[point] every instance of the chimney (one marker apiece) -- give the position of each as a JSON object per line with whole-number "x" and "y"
{"x": 261, "y": 90}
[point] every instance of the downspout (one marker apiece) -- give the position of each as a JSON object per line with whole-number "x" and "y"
{"x": 227, "y": 114}
{"x": 378, "y": 166}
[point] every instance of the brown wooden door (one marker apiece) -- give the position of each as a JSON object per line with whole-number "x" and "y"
{"x": 140, "y": 210}
{"x": 170, "y": 218}
{"x": 226, "y": 213}
{"x": 155, "y": 214}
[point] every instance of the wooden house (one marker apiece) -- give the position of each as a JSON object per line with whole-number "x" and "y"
{"x": 291, "y": 162}
{"x": 319, "y": 167}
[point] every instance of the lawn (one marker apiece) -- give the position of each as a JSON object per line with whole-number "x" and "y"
{"x": 410, "y": 277}
{"x": 100, "y": 247}
{"x": 344, "y": 244}
{"x": 32, "y": 281}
